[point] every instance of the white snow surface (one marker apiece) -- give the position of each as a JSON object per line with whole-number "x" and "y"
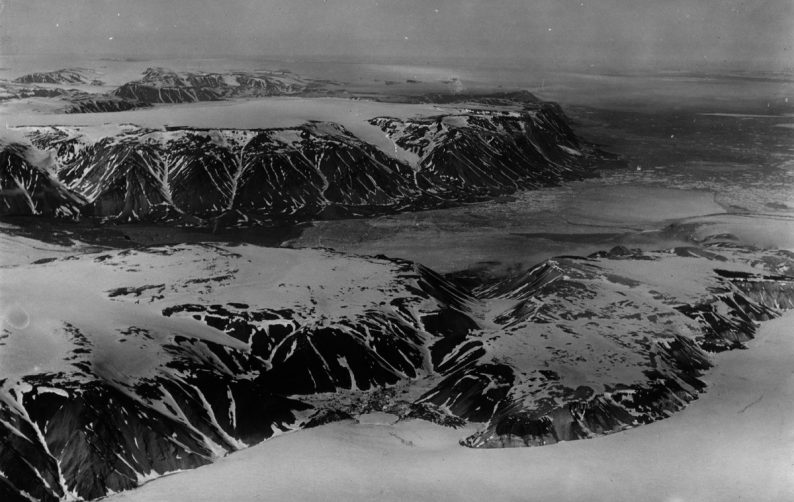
{"x": 270, "y": 112}
{"x": 37, "y": 300}
{"x": 735, "y": 443}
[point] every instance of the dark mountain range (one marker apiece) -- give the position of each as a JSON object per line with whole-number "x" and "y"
{"x": 161, "y": 85}
{"x": 185, "y": 353}
{"x": 87, "y": 102}
{"x": 318, "y": 170}
{"x": 158, "y": 85}
{"x": 71, "y": 100}
{"x": 28, "y": 188}
{"x": 62, "y": 76}
{"x": 19, "y": 92}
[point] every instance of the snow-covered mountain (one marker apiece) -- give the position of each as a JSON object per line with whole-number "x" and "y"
{"x": 140, "y": 362}
{"x": 162, "y": 85}
{"x": 157, "y": 85}
{"x": 28, "y": 187}
{"x": 317, "y": 170}
{"x": 70, "y": 100}
{"x": 490, "y": 152}
{"x": 62, "y": 76}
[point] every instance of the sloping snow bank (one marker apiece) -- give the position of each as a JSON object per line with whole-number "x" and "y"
{"x": 735, "y": 443}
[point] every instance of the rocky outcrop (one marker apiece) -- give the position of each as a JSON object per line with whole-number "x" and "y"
{"x": 85, "y": 102}
{"x": 318, "y": 170}
{"x": 91, "y": 422}
{"x": 161, "y": 85}
{"x": 190, "y": 352}
{"x": 72, "y": 100}
{"x": 504, "y": 98}
{"x": 560, "y": 294}
{"x": 63, "y": 76}
{"x": 481, "y": 154}
{"x": 14, "y": 92}
{"x": 26, "y": 188}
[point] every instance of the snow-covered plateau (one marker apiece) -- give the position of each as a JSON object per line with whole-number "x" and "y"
{"x": 123, "y": 365}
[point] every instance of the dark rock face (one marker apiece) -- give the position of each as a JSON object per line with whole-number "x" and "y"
{"x": 70, "y": 100}
{"x": 73, "y": 100}
{"x": 64, "y": 76}
{"x": 319, "y": 170}
{"x": 161, "y": 85}
{"x": 30, "y": 92}
{"x": 136, "y": 185}
{"x": 98, "y": 432}
{"x": 84, "y": 102}
{"x": 488, "y": 98}
{"x": 94, "y": 436}
{"x": 27, "y": 466}
{"x": 238, "y": 350}
{"x": 198, "y": 161}
{"x": 725, "y": 319}
{"x": 27, "y": 189}
{"x": 89, "y": 428}
{"x": 486, "y": 154}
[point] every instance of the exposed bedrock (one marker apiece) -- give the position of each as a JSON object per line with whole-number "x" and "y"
{"x": 318, "y": 170}
{"x": 86, "y": 435}
{"x": 233, "y": 345}
{"x": 161, "y": 85}
{"x": 84, "y": 102}
{"x": 62, "y": 76}
{"x": 29, "y": 189}
{"x": 67, "y": 100}
{"x": 725, "y": 319}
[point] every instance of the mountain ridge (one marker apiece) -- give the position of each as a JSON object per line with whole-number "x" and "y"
{"x": 235, "y": 344}
{"x": 313, "y": 171}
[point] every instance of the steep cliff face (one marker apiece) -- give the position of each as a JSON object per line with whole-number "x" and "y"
{"x": 156, "y": 86}
{"x": 134, "y": 186}
{"x": 71, "y": 100}
{"x": 62, "y": 98}
{"x": 318, "y": 170}
{"x": 655, "y": 334}
{"x": 8, "y": 92}
{"x": 62, "y": 76}
{"x": 168, "y": 375}
{"x": 27, "y": 188}
{"x": 87, "y": 102}
{"x": 162, "y": 359}
{"x": 487, "y": 153}
{"x": 161, "y": 85}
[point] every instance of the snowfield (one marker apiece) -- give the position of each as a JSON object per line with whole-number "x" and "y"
{"x": 735, "y": 443}
{"x": 624, "y": 339}
{"x": 119, "y": 366}
{"x": 190, "y": 274}
{"x": 276, "y": 111}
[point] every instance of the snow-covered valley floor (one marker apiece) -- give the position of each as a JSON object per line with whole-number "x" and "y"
{"x": 734, "y": 443}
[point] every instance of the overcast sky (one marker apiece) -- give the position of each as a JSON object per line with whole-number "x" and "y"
{"x": 607, "y": 32}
